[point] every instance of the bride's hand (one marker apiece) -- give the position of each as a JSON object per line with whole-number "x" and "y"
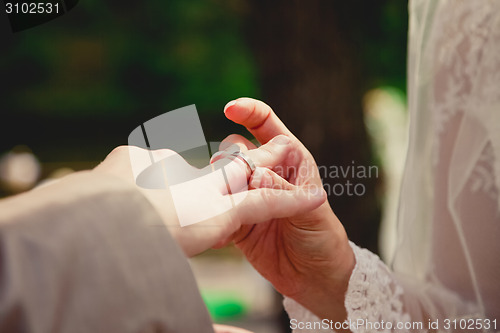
{"x": 306, "y": 256}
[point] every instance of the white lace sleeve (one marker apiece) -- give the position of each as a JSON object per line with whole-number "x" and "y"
{"x": 373, "y": 297}
{"x": 445, "y": 269}
{"x": 379, "y": 300}
{"x": 303, "y": 320}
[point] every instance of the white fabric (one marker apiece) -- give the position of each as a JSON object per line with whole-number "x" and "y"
{"x": 446, "y": 264}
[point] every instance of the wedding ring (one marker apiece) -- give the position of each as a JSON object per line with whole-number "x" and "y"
{"x": 245, "y": 158}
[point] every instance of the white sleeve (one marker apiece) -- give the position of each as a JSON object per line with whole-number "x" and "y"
{"x": 303, "y": 320}
{"x": 378, "y": 299}
{"x": 373, "y": 295}
{"x": 445, "y": 264}
{"x": 90, "y": 254}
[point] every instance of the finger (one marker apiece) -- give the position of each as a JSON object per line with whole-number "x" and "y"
{"x": 254, "y": 207}
{"x": 261, "y": 205}
{"x": 229, "y": 329}
{"x": 265, "y": 178}
{"x": 261, "y": 178}
{"x": 125, "y": 159}
{"x": 237, "y": 139}
{"x": 227, "y": 150}
{"x": 257, "y": 117}
{"x": 228, "y": 144}
{"x": 270, "y": 155}
{"x": 274, "y": 152}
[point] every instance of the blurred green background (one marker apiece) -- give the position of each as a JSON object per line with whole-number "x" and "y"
{"x": 73, "y": 89}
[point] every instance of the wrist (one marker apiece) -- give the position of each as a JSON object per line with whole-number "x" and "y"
{"x": 324, "y": 292}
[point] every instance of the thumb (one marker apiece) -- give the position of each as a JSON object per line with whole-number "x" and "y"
{"x": 263, "y": 204}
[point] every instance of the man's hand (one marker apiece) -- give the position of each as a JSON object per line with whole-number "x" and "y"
{"x": 306, "y": 256}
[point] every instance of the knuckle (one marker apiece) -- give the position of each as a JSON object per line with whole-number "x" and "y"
{"x": 162, "y": 153}
{"x": 267, "y": 153}
{"x": 231, "y": 140}
{"x": 119, "y": 150}
{"x": 234, "y": 138}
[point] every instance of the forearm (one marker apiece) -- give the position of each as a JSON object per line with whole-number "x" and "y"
{"x": 84, "y": 253}
{"x": 324, "y": 285}
{"x": 325, "y": 294}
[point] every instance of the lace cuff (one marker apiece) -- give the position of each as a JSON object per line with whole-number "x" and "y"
{"x": 373, "y": 298}
{"x": 303, "y": 320}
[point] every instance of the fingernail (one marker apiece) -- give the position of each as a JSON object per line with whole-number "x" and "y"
{"x": 281, "y": 140}
{"x": 228, "y": 105}
{"x": 228, "y": 145}
{"x": 216, "y": 156}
